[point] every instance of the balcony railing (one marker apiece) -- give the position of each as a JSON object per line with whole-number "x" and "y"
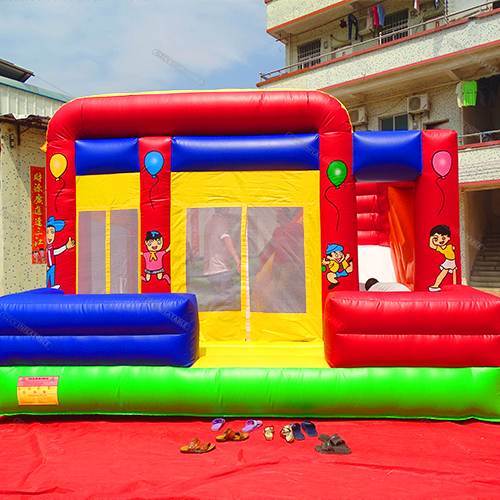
{"x": 380, "y": 39}
{"x": 479, "y": 137}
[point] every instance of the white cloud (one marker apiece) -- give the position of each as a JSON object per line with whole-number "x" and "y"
{"x": 105, "y": 46}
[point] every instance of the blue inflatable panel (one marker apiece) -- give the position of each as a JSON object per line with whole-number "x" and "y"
{"x": 387, "y": 156}
{"x": 87, "y": 315}
{"x": 179, "y": 350}
{"x": 260, "y": 152}
{"x": 43, "y": 291}
{"x": 106, "y": 156}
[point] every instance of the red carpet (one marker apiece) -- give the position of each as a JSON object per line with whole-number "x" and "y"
{"x": 129, "y": 458}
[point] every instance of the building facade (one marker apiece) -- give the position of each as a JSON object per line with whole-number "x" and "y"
{"x": 410, "y": 65}
{"x": 24, "y": 114}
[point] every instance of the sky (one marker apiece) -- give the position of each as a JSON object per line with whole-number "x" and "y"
{"x": 91, "y": 47}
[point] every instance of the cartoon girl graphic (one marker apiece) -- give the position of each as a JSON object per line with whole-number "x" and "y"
{"x": 154, "y": 257}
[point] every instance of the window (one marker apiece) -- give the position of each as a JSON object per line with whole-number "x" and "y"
{"x": 307, "y": 51}
{"x": 92, "y": 260}
{"x": 398, "y": 122}
{"x": 395, "y": 22}
{"x": 275, "y": 240}
{"x": 123, "y": 241}
{"x": 213, "y": 275}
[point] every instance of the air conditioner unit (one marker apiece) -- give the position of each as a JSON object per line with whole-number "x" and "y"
{"x": 358, "y": 116}
{"x": 365, "y": 25}
{"x": 417, "y": 104}
{"x": 343, "y": 51}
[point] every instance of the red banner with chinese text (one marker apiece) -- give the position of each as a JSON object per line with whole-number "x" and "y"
{"x": 38, "y": 246}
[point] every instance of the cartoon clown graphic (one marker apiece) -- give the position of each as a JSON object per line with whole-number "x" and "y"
{"x": 53, "y": 227}
{"x": 336, "y": 263}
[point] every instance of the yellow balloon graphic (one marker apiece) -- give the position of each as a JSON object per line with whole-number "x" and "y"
{"x": 58, "y": 165}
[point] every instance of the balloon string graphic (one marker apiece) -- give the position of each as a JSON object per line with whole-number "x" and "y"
{"x": 150, "y": 200}
{"x": 57, "y": 195}
{"x": 437, "y": 184}
{"x": 334, "y": 206}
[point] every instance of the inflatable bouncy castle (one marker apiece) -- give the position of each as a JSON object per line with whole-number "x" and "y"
{"x": 203, "y": 260}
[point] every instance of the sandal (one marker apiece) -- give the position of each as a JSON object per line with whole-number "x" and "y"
{"x": 195, "y": 446}
{"x": 309, "y": 428}
{"x": 251, "y": 425}
{"x": 287, "y": 433}
{"x": 217, "y": 424}
{"x": 269, "y": 433}
{"x": 231, "y": 435}
{"x": 297, "y": 433}
{"x": 333, "y": 445}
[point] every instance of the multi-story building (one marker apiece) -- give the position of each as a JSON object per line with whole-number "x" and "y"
{"x": 409, "y": 65}
{"x": 25, "y": 111}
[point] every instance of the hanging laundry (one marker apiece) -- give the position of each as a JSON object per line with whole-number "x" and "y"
{"x": 494, "y": 87}
{"x": 470, "y": 93}
{"x": 416, "y": 5}
{"x": 352, "y": 21}
{"x": 376, "y": 21}
{"x": 483, "y": 91}
{"x": 487, "y": 90}
{"x": 381, "y": 14}
{"x": 460, "y": 94}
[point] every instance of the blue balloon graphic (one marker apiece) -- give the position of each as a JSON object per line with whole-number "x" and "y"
{"x": 153, "y": 162}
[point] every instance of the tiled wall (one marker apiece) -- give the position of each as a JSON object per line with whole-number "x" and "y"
{"x": 17, "y": 273}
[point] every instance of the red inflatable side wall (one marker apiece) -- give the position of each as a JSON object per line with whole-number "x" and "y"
{"x": 155, "y": 209}
{"x": 61, "y": 215}
{"x": 436, "y": 204}
{"x": 339, "y": 245}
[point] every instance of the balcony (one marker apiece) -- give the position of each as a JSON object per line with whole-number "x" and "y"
{"x": 446, "y": 47}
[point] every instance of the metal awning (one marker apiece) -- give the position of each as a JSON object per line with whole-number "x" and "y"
{"x": 14, "y": 72}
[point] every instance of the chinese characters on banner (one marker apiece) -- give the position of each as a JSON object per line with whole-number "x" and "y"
{"x": 37, "y": 177}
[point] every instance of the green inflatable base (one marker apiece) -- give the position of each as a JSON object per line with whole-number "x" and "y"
{"x": 442, "y": 393}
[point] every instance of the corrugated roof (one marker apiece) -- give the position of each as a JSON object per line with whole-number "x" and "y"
{"x": 26, "y": 87}
{"x": 21, "y": 100}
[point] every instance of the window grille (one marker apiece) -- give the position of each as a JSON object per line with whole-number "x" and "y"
{"x": 395, "y": 22}
{"x": 307, "y": 51}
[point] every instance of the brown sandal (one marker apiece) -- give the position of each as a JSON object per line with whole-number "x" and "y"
{"x": 195, "y": 446}
{"x": 231, "y": 435}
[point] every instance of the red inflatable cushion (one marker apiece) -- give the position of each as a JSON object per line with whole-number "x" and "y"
{"x": 459, "y": 326}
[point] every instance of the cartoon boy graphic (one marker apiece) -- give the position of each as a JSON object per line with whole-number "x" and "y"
{"x": 336, "y": 263}
{"x": 439, "y": 237}
{"x": 53, "y": 227}
{"x": 154, "y": 257}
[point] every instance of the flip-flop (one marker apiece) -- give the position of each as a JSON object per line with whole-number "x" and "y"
{"x": 297, "y": 433}
{"x": 309, "y": 428}
{"x": 287, "y": 433}
{"x": 195, "y": 446}
{"x": 231, "y": 435}
{"x": 334, "y": 445}
{"x": 217, "y": 423}
{"x": 269, "y": 433}
{"x": 251, "y": 425}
